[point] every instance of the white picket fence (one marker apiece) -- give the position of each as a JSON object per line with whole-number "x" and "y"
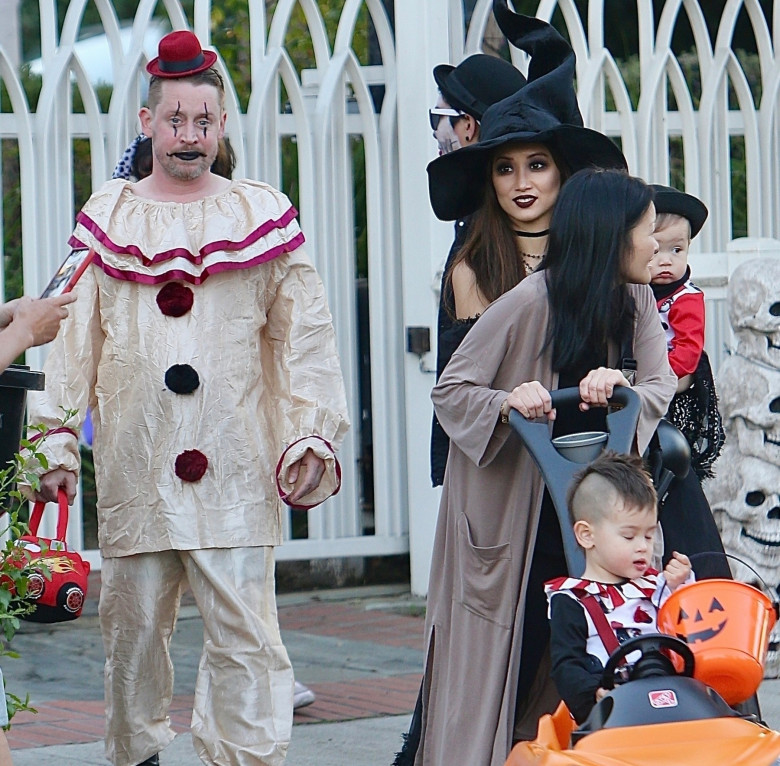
{"x": 329, "y": 106}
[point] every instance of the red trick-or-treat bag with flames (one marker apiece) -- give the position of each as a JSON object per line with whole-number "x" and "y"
{"x": 57, "y": 576}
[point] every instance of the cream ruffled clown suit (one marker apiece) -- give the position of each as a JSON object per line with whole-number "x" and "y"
{"x": 203, "y": 344}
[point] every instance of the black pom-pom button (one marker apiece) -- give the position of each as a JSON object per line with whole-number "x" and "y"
{"x": 181, "y": 379}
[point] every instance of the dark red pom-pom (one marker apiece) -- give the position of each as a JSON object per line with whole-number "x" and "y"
{"x": 175, "y": 299}
{"x": 191, "y": 465}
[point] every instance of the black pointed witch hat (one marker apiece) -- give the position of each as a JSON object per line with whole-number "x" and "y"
{"x": 544, "y": 111}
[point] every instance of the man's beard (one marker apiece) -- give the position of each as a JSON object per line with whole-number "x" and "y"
{"x": 185, "y": 170}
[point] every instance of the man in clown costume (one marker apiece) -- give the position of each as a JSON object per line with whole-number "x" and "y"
{"x": 203, "y": 345}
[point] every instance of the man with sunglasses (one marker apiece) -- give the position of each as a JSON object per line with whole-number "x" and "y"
{"x": 465, "y": 92}
{"x": 443, "y": 121}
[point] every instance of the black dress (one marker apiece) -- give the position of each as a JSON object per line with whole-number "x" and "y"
{"x": 450, "y": 333}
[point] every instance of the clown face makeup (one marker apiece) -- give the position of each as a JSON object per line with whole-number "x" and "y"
{"x": 185, "y": 128}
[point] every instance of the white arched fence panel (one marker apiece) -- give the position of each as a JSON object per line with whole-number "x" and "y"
{"x": 19, "y": 125}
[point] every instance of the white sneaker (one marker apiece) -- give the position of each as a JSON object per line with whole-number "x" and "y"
{"x": 303, "y": 696}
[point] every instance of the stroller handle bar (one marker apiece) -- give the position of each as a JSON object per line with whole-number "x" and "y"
{"x": 557, "y": 471}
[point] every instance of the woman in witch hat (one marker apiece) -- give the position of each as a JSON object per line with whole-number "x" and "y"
{"x": 508, "y": 208}
{"x": 487, "y": 675}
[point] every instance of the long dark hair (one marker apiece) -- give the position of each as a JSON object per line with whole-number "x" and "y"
{"x": 490, "y": 249}
{"x": 588, "y": 248}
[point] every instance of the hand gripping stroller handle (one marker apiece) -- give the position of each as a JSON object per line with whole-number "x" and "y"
{"x": 62, "y": 520}
{"x": 621, "y": 420}
{"x": 557, "y": 471}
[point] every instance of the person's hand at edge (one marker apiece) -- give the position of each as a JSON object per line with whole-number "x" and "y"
{"x": 41, "y": 317}
{"x": 7, "y": 311}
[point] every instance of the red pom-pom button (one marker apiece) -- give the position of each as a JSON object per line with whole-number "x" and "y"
{"x": 175, "y": 299}
{"x": 191, "y": 465}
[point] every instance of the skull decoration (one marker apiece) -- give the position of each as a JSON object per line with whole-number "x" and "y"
{"x": 750, "y": 403}
{"x": 746, "y": 506}
{"x": 753, "y": 299}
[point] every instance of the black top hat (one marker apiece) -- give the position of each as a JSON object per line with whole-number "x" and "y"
{"x": 180, "y": 55}
{"x": 545, "y": 111}
{"x": 477, "y": 82}
{"x": 669, "y": 200}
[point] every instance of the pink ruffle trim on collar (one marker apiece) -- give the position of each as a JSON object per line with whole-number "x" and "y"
{"x": 147, "y": 242}
{"x": 196, "y": 258}
{"x": 199, "y": 278}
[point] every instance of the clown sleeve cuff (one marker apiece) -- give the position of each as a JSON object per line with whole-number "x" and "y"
{"x": 331, "y": 479}
{"x": 60, "y": 448}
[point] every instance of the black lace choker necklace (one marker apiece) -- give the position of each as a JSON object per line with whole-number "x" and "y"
{"x": 532, "y": 233}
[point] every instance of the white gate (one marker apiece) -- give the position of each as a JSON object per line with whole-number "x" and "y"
{"x": 378, "y": 101}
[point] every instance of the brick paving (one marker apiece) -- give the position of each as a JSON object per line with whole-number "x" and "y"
{"x": 70, "y": 721}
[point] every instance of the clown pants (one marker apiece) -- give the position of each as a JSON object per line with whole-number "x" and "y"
{"x": 244, "y": 692}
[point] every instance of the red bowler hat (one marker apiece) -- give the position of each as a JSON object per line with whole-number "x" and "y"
{"x": 180, "y": 55}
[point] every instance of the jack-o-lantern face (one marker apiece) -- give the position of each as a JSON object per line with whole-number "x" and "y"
{"x": 701, "y": 627}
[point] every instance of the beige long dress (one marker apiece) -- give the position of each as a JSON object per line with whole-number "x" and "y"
{"x": 203, "y": 344}
{"x": 487, "y": 525}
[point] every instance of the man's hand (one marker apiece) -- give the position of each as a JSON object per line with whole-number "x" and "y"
{"x": 52, "y": 481}
{"x": 305, "y": 474}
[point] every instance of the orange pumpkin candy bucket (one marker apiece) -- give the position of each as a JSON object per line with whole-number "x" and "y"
{"x": 727, "y": 624}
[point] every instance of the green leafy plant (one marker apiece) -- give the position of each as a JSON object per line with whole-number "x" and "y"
{"x": 14, "y": 573}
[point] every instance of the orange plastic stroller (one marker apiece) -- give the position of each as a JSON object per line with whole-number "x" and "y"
{"x": 674, "y": 706}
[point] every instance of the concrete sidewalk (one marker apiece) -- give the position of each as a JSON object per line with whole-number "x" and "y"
{"x": 360, "y": 650}
{"x": 361, "y": 742}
